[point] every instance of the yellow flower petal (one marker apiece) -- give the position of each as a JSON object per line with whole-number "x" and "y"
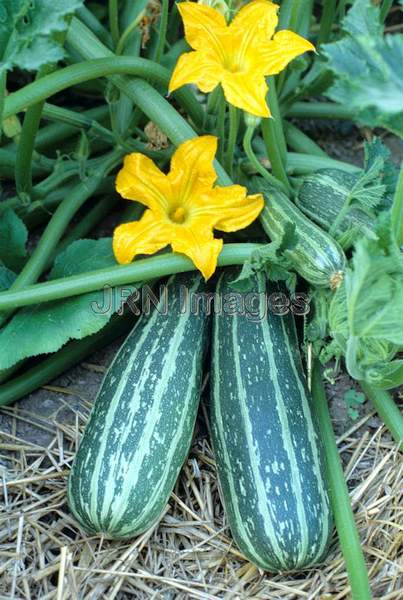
{"x": 285, "y": 46}
{"x": 140, "y": 179}
{"x": 202, "y": 24}
{"x": 234, "y": 208}
{"x": 200, "y": 246}
{"x": 247, "y": 91}
{"x": 146, "y": 236}
{"x": 195, "y": 67}
{"x": 258, "y": 17}
{"x": 192, "y": 168}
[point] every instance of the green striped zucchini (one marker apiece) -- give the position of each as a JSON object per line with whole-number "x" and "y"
{"x": 142, "y": 422}
{"x": 322, "y": 196}
{"x": 317, "y": 257}
{"x": 267, "y": 450}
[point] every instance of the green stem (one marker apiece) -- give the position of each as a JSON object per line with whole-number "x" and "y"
{"x": 71, "y": 354}
{"x": 90, "y": 20}
{"x": 387, "y": 410}
{"x": 25, "y": 149}
{"x": 221, "y": 110}
{"x": 114, "y": 20}
{"x": 247, "y": 144}
{"x": 276, "y": 123}
{"x": 56, "y": 227}
{"x": 92, "y": 69}
{"x": 320, "y": 110}
{"x": 327, "y": 20}
{"x": 232, "y": 138}
{"x": 147, "y": 99}
{"x": 65, "y": 124}
{"x": 339, "y": 497}
{"x": 140, "y": 270}
{"x": 3, "y": 84}
{"x": 162, "y": 32}
{"x": 301, "y": 164}
{"x": 385, "y": 8}
{"x": 85, "y": 225}
{"x": 300, "y": 142}
{"x": 273, "y": 136}
{"x": 126, "y": 34}
{"x": 292, "y": 21}
{"x": 397, "y": 210}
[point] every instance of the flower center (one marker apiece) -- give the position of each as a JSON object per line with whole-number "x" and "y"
{"x": 178, "y": 215}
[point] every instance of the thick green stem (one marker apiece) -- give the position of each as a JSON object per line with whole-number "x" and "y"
{"x": 273, "y": 136}
{"x": 327, "y": 20}
{"x": 56, "y": 227}
{"x": 67, "y": 357}
{"x": 397, "y": 210}
{"x": 162, "y": 31}
{"x": 385, "y": 8}
{"x": 301, "y": 164}
{"x": 148, "y": 100}
{"x": 275, "y": 125}
{"x": 114, "y": 20}
{"x": 221, "y": 110}
{"x": 3, "y": 83}
{"x": 387, "y": 410}
{"x": 247, "y": 145}
{"x": 128, "y": 31}
{"x": 300, "y": 142}
{"x": 85, "y": 225}
{"x": 140, "y": 270}
{"x": 320, "y": 110}
{"x": 92, "y": 69}
{"x": 232, "y": 138}
{"x": 90, "y": 20}
{"x": 339, "y": 497}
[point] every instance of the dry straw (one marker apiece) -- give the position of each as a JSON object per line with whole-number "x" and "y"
{"x": 189, "y": 554}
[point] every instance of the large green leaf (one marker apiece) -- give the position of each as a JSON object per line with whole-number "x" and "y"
{"x": 7, "y": 277}
{"x": 13, "y": 239}
{"x": 27, "y": 32}
{"x": 368, "y": 69}
{"x": 46, "y": 327}
{"x": 365, "y": 321}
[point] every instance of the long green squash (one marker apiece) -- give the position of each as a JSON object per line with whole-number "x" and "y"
{"x": 141, "y": 425}
{"x": 317, "y": 257}
{"x": 265, "y": 439}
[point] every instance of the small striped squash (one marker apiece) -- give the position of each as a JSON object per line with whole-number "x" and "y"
{"x": 317, "y": 257}
{"x": 142, "y": 422}
{"x": 265, "y": 440}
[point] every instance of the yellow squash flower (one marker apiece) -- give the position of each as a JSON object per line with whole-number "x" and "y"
{"x": 239, "y": 55}
{"x": 183, "y": 206}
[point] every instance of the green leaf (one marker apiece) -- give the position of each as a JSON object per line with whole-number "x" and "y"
{"x": 272, "y": 259}
{"x": 7, "y": 278}
{"x": 13, "y": 239}
{"x": 27, "y": 32}
{"x": 46, "y": 327}
{"x": 353, "y": 399}
{"x": 367, "y": 66}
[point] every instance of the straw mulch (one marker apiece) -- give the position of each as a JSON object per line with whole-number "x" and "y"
{"x": 189, "y": 554}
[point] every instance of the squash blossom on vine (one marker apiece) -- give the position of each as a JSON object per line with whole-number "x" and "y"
{"x": 183, "y": 206}
{"x": 238, "y": 56}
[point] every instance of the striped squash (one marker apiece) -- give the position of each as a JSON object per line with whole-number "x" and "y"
{"x": 317, "y": 257}
{"x": 141, "y": 425}
{"x": 265, "y": 440}
{"x": 322, "y": 196}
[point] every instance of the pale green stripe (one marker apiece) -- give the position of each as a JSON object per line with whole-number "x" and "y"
{"x": 296, "y": 483}
{"x": 314, "y": 449}
{"x": 252, "y": 450}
